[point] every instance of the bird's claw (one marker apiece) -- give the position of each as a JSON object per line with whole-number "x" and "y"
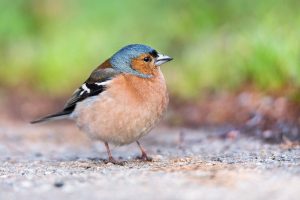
{"x": 145, "y": 158}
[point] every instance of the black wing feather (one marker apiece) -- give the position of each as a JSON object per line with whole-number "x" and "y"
{"x": 91, "y": 87}
{"x": 81, "y": 94}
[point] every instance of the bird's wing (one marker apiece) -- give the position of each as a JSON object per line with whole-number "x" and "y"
{"x": 94, "y": 85}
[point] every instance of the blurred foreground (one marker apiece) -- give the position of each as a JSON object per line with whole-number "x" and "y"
{"x": 52, "y": 161}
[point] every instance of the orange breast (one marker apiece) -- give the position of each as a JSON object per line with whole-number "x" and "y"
{"x": 127, "y": 110}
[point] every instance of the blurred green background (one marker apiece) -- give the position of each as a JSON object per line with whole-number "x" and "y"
{"x": 51, "y": 46}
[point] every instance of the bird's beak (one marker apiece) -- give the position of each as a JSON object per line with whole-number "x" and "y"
{"x": 161, "y": 59}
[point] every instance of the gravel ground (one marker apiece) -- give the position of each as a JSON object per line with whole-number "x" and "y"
{"x": 57, "y": 161}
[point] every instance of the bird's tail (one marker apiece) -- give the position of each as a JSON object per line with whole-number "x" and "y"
{"x": 60, "y": 115}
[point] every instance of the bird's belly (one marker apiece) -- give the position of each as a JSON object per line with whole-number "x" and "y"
{"x": 118, "y": 123}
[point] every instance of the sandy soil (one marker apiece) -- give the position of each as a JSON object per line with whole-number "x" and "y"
{"x": 57, "y": 161}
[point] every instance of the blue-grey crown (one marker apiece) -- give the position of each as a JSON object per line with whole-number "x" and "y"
{"x": 122, "y": 59}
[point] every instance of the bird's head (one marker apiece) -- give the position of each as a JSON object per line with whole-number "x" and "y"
{"x": 139, "y": 60}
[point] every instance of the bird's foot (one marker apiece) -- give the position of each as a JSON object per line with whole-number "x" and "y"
{"x": 115, "y": 162}
{"x": 145, "y": 158}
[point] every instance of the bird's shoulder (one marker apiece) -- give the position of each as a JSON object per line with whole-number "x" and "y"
{"x": 94, "y": 85}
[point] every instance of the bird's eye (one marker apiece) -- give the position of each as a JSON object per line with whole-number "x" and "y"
{"x": 147, "y": 59}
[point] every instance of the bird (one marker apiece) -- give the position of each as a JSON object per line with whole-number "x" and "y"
{"x": 122, "y": 100}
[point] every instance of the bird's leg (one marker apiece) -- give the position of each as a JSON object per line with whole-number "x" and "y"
{"x": 144, "y": 156}
{"x": 110, "y": 158}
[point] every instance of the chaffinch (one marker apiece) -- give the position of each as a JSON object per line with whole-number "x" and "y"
{"x": 122, "y": 100}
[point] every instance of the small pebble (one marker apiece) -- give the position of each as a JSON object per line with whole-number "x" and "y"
{"x": 59, "y": 184}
